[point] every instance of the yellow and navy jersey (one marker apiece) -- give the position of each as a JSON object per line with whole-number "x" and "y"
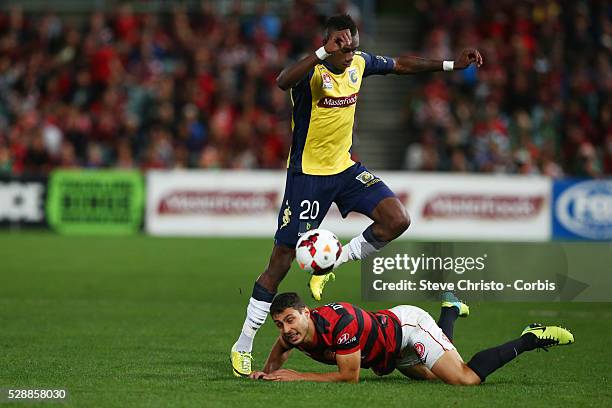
{"x": 324, "y": 112}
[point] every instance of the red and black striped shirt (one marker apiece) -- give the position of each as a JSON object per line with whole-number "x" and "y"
{"x": 343, "y": 328}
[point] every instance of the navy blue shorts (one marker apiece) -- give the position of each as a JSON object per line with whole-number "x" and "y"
{"x": 308, "y": 198}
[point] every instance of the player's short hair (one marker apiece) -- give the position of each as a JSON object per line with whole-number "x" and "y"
{"x": 340, "y": 22}
{"x": 284, "y": 301}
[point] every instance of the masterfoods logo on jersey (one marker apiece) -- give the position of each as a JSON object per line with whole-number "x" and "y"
{"x": 483, "y": 206}
{"x": 189, "y": 202}
{"x": 582, "y": 210}
{"x": 340, "y": 102}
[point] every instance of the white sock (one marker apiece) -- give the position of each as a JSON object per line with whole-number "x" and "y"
{"x": 257, "y": 311}
{"x": 357, "y": 248}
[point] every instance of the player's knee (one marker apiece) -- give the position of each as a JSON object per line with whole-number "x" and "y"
{"x": 464, "y": 377}
{"x": 468, "y": 381}
{"x": 463, "y": 381}
{"x": 403, "y": 222}
{"x": 398, "y": 224}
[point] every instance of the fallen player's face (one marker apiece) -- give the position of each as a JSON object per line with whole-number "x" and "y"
{"x": 292, "y": 324}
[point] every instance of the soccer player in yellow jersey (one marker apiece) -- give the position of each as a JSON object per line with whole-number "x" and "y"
{"x": 324, "y": 88}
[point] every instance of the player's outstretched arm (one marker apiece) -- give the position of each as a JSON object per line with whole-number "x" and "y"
{"x": 348, "y": 371}
{"x": 278, "y": 356}
{"x": 414, "y": 65}
{"x": 294, "y": 73}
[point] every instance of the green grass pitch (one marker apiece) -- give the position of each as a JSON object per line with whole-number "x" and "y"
{"x": 141, "y": 321}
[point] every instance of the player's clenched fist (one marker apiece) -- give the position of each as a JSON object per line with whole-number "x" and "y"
{"x": 467, "y": 57}
{"x": 337, "y": 40}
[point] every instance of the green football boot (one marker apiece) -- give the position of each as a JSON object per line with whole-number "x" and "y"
{"x": 549, "y": 336}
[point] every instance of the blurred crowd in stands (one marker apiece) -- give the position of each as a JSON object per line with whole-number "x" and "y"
{"x": 128, "y": 90}
{"x": 196, "y": 89}
{"x": 539, "y": 105}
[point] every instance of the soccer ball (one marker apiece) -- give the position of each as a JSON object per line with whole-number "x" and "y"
{"x": 317, "y": 251}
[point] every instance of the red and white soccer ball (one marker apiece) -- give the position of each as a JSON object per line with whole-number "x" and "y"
{"x": 317, "y": 250}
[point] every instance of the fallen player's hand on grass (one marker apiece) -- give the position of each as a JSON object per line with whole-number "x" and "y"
{"x": 257, "y": 375}
{"x": 283, "y": 375}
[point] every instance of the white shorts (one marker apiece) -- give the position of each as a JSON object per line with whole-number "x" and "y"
{"x": 422, "y": 340}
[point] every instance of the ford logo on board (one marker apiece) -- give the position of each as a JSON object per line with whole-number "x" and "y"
{"x": 586, "y": 209}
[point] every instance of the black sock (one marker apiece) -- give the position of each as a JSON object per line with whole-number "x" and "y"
{"x": 486, "y": 361}
{"x": 261, "y": 293}
{"x": 446, "y": 322}
{"x": 369, "y": 236}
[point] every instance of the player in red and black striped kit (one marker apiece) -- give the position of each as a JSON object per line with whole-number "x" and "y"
{"x": 347, "y": 329}
{"x": 404, "y": 337}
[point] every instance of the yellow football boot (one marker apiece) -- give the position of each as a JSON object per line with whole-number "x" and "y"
{"x": 317, "y": 283}
{"x": 241, "y": 362}
{"x": 549, "y": 336}
{"x": 450, "y": 300}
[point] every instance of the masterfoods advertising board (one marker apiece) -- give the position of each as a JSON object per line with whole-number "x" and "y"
{"x": 246, "y": 203}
